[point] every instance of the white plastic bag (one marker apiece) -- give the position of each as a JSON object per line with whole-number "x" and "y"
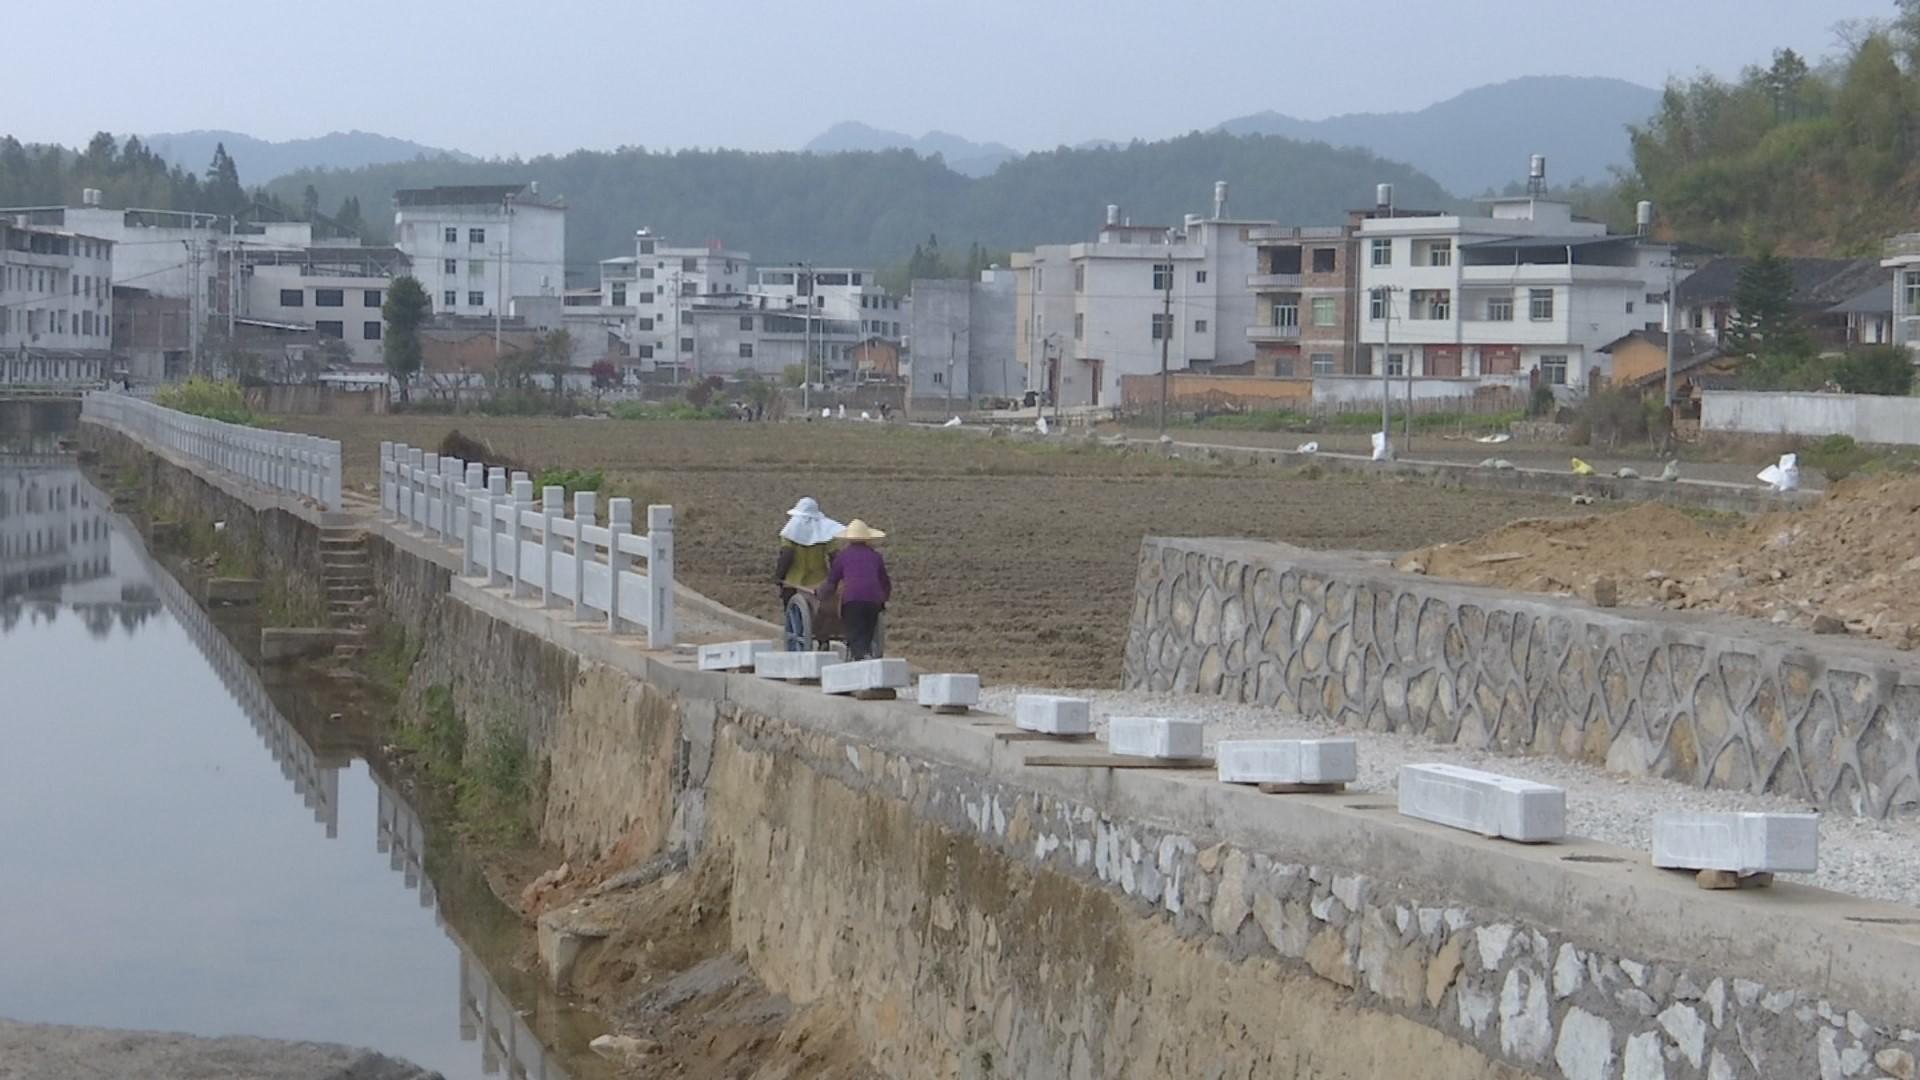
{"x": 1308, "y": 448}
{"x": 1784, "y": 476}
{"x": 1499, "y": 437}
{"x": 953, "y": 422}
{"x": 1382, "y": 450}
{"x": 1040, "y": 425}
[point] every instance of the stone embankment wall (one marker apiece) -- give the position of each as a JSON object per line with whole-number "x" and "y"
{"x": 980, "y": 917}
{"x": 1710, "y": 701}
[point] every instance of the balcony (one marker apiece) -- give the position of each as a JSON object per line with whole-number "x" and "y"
{"x": 1271, "y": 282}
{"x": 1273, "y": 333}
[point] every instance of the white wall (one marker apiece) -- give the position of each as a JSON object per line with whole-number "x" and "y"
{"x": 1345, "y": 389}
{"x": 266, "y": 282}
{"x": 529, "y": 238}
{"x": 1868, "y": 418}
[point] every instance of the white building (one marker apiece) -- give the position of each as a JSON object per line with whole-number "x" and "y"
{"x": 476, "y": 247}
{"x": 1525, "y": 287}
{"x": 1092, "y": 313}
{"x": 56, "y": 305}
{"x": 1903, "y": 258}
{"x": 964, "y": 339}
{"x": 662, "y": 286}
{"x": 847, "y": 294}
{"x": 336, "y": 291}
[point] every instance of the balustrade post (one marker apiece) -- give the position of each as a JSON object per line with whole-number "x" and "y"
{"x": 660, "y": 577}
{"x": 522, "y": 505}
{"x": 583, "y": 511}
{"x": 386, "y": 493}
{"x": 497, "y": 499}
{"x": 619, "y": 523}
{"x": 553, "y": 507}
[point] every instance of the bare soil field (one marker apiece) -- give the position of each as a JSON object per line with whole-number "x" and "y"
{"x": 1015, "y": 560}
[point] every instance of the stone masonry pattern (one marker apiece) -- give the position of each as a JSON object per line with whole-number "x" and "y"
{"x": 1361, "y": 646}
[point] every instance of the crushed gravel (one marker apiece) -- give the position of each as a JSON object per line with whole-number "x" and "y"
{"x": 1861, "y": 857}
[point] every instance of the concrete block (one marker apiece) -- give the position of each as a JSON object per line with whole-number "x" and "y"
{"x": 863, "y": 675}
{"x": 793, "y": 665}
{"x": 1288, "y": 761}
{"x": 1744, "y": 843}
{"x": 285, "y": 644}
{"x": 232, "y": 591}
{"x": 1483, "y": 802}
{"x": 1155, "y": 736}
{"x": 1053, "y": 714}
{"x": 950, "y": 691}
{"x": 729, "y": 655}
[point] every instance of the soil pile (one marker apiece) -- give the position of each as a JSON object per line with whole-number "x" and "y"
{"x": 1850, "y": 564}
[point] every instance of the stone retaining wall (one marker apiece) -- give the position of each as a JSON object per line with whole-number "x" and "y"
{"x": 1711, "y": 701}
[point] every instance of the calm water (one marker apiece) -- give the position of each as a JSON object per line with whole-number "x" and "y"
{"x": 176, "y": 855}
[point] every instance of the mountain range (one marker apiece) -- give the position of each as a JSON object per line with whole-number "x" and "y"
{"x": 263, "y": 160}
{"x": 964, "y": 156}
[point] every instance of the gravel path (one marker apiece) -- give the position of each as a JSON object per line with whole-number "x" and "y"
{"x": 1859, "y": 857}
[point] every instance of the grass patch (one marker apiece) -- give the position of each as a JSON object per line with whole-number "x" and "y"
{"x": 392, "y": 657}
{"x": 571, "y": 479}
{"x": 211, "y": 398}
{"x": 495, "y": 785}
{"x": 669, "y": 410}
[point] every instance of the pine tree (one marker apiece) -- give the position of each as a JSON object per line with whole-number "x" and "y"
{"x": 224, "y": 194}
{"x": 406, "y": 308}
{"x": 1763, "y": 323}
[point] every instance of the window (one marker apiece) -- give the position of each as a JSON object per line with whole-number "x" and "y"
{"x": 370, "y": 331}
{"x": 1500, "y": 309}
{"x": 686, "y": 344}
{"x": 1629, "y": 307}
{"x": 450, "y": 266}
{"x": 450, "y": 298}
{"x": 1553, "y": 369}
{"x": 1383, "y": 252}
{"x": 1199, "y": 277}
{"x": 1377, "y": 305}
{"x": 644, "y": 298}
{"x": 1656, "y": 298}
{"x": 746, "y": 350}
{"x": 1432, "y": 304}
{"x": 1162, "y": 277}
{"x": 1079, "y": 277}
{"x": 476, "y": 236}
{"x": 1325, "y": 311}
{"x": 1162, "y": 327}
{"x": 371, "y": 298}
{"x": 646, "y": 352}
{"x": 1039, "y": 279}
{"x": 1325, "y": 260}
{"x": 1910, "y": 284}
{"x": 1322, "y": 363}
{"x": 746, "y": 322}
{"x": 1396, "y": 363}
{"x": 689, "y": 265}
{"x": 292, "y": 298}
{"x": 476, "y": 299}
{"x": 452, "y": 234}
{"x": 646, "y": 273}
{"x": 330, "y": 329}
{"x": 938, "y": 378}
{"x": 477, "y": 268}
{"x": 646, "y": 247}
{"x": 646, "y": 324}
{"x": 857, "y": 278}
{"x": 1540, "y": 304}
{"x": 689, "y": 288}
{"x": 1286, "y": 315}
{"x": 619, "y": 294}
{"x": 329, "y": 298}
{"x": 1440, "y": 253}
{"x": 1199, "y": 326}
{"x": 1079, "y": 326}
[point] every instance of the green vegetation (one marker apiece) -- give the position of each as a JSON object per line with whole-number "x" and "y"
{"x": 486, "y": 774}
{"x": 406, "y": 307}
{"x": 1308, "y": 423}
{"x": 392, "y": 657}
{"x": 571, "y": 479}
{"x": 1836, "y": 456}
{"x": 668, "y": 410}
{"x": 1809, "y": 159}
{"x": 211, "y": 398}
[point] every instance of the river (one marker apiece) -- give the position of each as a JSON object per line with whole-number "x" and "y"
{"x": 176, "y": 854}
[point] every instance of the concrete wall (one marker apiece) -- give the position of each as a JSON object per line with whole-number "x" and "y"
{"x": 1143, "y": 391}
{"x": 1707, "y": 701}
{"x": 1348, "y": 389}
{"x": 1868, "y": 418}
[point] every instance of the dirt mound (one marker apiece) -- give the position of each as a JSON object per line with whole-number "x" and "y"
{"x": 1850, "y": 563}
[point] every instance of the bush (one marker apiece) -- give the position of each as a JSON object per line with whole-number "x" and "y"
{"x": 668, "y": 410}
{"x": 571, "y": 479}
{"x": 1836, "y": 456}
{"x": 700, "y": 394}
{"x": 1883, "y": 369}
{"x": 1614, "y": 415}
{"x": 1541, "y": 404}
{"x": 211, "y": 398}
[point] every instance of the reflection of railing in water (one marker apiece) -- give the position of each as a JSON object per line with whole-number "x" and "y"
{"x": 317, "y": 784}
{"x": 486, "y": 1013}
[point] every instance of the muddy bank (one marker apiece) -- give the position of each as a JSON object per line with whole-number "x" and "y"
{"x": 58, "y": 1052}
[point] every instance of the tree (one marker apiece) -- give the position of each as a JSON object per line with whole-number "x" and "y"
{"x": 1763, "y": 320}
{"x": 1883, "y": 369}
{"x": 406, "y": 308}
{"x": 605, "y": 375}
{"x": 348, "y": 219}
{"x": 310, "y": 202}
{"x": 223, "y": 192}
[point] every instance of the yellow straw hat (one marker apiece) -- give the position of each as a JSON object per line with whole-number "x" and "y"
{"x": 860, "y": 530}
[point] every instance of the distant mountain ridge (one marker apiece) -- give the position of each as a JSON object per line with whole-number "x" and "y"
{"x": 1480, "y": 140}
{"x": 964, "y": 156}
{"x": 263, "y": 160}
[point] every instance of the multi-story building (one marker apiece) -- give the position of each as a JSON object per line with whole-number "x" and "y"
{"x": 1524, "y": 288}
{"x": 56, "y": 305}
{"x": 843, "y": 293}
{"x": 475, "y": 248}
{"x": 337, "y": 291}
{"x": 1303, "y": 284}
{"x": 1092, "y": 312}
{"x": 663, "y": 285}
{"x": 751, "y": 335}
{"x": 1903, "y": 258}
{"x": 964, "y": 342}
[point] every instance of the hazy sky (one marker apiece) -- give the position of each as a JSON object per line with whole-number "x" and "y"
{"x": 507, "y": 76}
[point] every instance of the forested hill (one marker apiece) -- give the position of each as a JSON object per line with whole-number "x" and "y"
{"x": 872, "y": 208}
{"x": 1796, "y": 158}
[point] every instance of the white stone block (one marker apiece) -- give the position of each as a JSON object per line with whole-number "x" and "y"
{"x": 863, "y": 675}
{"x": 727, "y": 655}
{"x": 793, "y": 665}
{"x": 1288, "y": 761}
{"x": 1155, "y": 736}
{"x": 950, "y": 691}
{"x": 1483, "y": 802}
{"x": 1741, "y": 842}
{"x": 1053, "y": 714}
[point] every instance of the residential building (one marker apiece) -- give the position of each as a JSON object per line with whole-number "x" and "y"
{"x": 877, "y": 360}
{"x": 1522, "y": 291}
{"x": 731, "y": 339}
{"x": 337, "y": 292}
{"x": 1819, "y": 285}
{"x": 661, "y": 286}
{"x": 1865, "y": 318}
{"x": 56, "y": 305}
{"x": 1903, "y": 258}
{"x": 1090, "y": 313}
{"x": 152, "y": 335}
{"x": 476, "y": 247}
{"x": 964, "y": 342}
{"x": 844, "y": 293}
{"x": 1303, "y": 286}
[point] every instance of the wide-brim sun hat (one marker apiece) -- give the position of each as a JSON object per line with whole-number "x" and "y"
{"x": 860, "y": 530}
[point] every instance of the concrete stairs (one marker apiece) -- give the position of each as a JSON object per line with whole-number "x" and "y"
{"x": 346, "y": 575}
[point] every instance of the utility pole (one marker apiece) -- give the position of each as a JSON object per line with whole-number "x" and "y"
{"x": 805, "y": 289}
{"x": 951, "y": 338}
{"x": 1384, "y": 294}
{"x": 1166, "y": 341}
{"x": 499, "y": 297}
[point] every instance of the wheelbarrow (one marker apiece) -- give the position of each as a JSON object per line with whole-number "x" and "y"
{"x": 814, "y": 624}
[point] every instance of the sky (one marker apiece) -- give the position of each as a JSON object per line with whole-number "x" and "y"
{"x": 500, "y": 77}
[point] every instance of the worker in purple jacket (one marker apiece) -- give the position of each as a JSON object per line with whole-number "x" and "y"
{"x": 860, "y": 575}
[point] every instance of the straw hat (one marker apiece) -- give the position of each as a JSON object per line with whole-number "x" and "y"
{"x": 859, "y": 530}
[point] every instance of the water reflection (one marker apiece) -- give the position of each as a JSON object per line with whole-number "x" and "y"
{"x": 126, "y": 807}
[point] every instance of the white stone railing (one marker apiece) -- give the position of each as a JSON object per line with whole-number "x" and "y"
{"x": 526, "y": 547}
{"x": 283, "y": 462}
